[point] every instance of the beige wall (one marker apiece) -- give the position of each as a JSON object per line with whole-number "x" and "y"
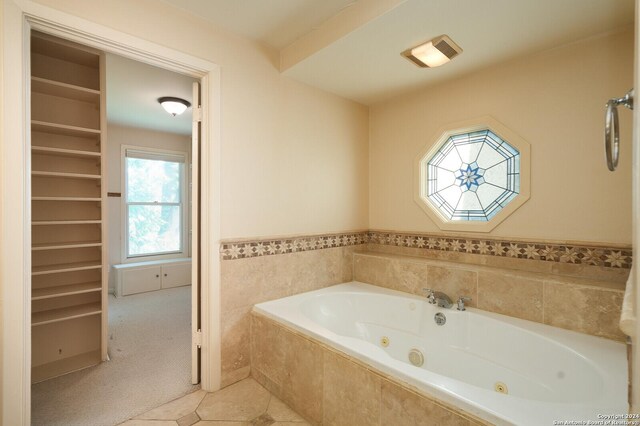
{"x": 554, "y": 100}
{"x": 294, "y": 158}
{"x": 116, "y": 137}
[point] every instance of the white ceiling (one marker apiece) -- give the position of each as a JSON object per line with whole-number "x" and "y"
{"x": 276, "y": 23}
{"x": 133, "y": 89}
{"x": 362, "y": 62}
{"x": 366, "y": 65}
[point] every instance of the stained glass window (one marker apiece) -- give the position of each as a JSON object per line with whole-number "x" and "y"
{"x": 473, "y": 176}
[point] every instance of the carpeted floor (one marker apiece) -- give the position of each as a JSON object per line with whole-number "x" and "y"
{"x": 150, "y": 351}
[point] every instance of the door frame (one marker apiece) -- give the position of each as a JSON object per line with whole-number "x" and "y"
{"x": 18, "y": 18}
{"x": 634, "y": 380}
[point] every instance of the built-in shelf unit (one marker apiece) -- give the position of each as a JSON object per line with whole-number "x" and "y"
{"x": 69, "y": 273}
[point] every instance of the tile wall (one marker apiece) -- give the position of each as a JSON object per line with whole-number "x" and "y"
{"x": 574, "y": 286}
{"x": 575, "y": 303}
{"x": 328, "y": 387}
{"x": 250, "y": 280}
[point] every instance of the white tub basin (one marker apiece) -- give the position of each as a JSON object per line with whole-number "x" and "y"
{"x": 549, "y": 374}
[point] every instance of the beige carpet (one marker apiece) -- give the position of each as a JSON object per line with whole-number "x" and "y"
{"x": 150, "y": 351}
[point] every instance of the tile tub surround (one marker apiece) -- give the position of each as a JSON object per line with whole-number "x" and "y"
{"x": 328, "y": 387}
{"x": 259, "y": 270}
{"x": 578, "y": 304}
{"x": 251, "y": 280}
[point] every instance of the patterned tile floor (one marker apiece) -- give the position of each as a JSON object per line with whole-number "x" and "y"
{"x": 245, "y": 403}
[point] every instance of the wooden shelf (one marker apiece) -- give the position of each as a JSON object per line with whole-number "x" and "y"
{"x": 64, "y": 90}
{"x": 65, "y": 365}
{"x": 69, "y": 245}
{"x": 64, "y": 314}
{"x": 65, "y": 222}
{"x": 62, "y": 129}
{"x": 65, "y": 290}
{"x": 65, "y": 199}
{"x": 65, "y": 267}
{"x": 61, "y": 152}
{"x": 69, "y": 213}
{"x": 64, "y": 175}
{"x": 64, "y": 50}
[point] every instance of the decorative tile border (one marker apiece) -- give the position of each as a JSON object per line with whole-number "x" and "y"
{"x": 576, "y": 254}
{"x": 266, "y": 247}
{"x": 561, "y": 253}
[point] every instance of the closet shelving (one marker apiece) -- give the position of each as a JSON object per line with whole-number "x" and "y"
{"x": 72, "y": 244}
{"x": 66, "y": 290}
{"x": 65, "y": 222}
{"x": 62, "y": 129}
{"x": 64, "y": 199}
{"x": 67, "y": 175}
{"x": 64, "y": 152}
{"x": 64, "y": 90}
{"x": 65, "y": 267}
{"x": 69, "y": 273}
{"x": 67, "y": 313}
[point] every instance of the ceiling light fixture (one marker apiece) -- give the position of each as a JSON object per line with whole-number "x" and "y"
{"x": 435, "y": 52}
{"x": 174, "y": 106}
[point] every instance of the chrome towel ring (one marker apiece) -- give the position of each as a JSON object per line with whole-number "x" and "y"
{"x": 612, "y": 136}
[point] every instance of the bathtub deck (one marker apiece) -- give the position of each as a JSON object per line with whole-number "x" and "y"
{"x": 244, "y": 402}
{"x": 298, "y": 336}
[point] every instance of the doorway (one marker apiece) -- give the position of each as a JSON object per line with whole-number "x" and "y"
{"x": 18, "y": 21}
{"x": 123, "y": 298}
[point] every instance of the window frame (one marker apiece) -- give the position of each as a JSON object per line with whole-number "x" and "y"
{"x": 185, "y": 199}
{"x": 440, "y": 137}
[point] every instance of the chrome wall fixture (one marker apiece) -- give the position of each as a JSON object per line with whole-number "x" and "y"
{"x": 612, "y": 129}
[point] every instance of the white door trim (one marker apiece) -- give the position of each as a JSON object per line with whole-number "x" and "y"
{"x": 18, "y": 17}
{"x": 635, "y": 277}
{"x": 194, "y": 198}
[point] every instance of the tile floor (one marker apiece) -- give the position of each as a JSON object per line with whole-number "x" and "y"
{"x": 245, "y": 403}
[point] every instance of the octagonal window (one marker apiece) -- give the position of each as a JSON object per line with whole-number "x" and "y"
{"x": 474, "y": 175}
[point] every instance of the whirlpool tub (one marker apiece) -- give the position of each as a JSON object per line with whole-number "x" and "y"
{"x": 499, "y": 368}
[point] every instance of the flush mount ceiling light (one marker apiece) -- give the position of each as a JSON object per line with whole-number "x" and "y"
{"x": 174, "y": 106}
{"x": 435, "y": 52}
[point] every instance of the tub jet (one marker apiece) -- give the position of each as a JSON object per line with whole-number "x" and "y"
{"x": 416, "y": 358}
{"x": 501, "y": 388}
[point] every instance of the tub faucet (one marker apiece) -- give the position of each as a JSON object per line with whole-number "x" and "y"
{"x": 430, "y": 296}
{"x": 438, "y": 298}
{"x": 461, "y": 301}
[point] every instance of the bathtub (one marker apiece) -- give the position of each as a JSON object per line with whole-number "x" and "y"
{"x": 498, "y": 368}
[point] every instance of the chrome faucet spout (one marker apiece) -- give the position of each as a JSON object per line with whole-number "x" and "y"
{"x": 438, "y": 298}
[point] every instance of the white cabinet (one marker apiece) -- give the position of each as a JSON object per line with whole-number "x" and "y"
{"x": 139, "y": 280}
{"x": 176, "y": 275}
{"x": 140, "y": 277}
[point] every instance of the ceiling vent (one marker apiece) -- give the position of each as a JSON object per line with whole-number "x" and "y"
{"x": 433, "y": 53}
